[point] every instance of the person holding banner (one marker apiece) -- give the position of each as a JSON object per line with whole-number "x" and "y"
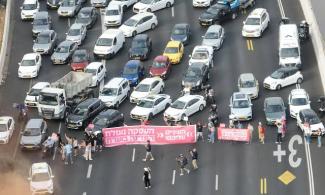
{"x": 199, "y": 131}
{"x": 261, "y": 132}
{"x": 194, "y": 156}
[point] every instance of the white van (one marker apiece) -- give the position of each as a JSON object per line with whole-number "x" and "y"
{"x": 289, "y": 46}
{"x": 29, "y": 9}
{"x": 109, "y": 43}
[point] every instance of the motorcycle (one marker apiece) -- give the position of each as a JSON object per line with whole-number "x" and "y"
{"x": 213, "y": 117}
{"x": 321, "y": 102}
{"x": 303, "y": 30}
{"x": 209, "y": 94}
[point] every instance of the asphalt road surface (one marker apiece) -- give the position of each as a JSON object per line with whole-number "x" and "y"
{"x": 318, "y": 8}
{"x": 225, "y": 168}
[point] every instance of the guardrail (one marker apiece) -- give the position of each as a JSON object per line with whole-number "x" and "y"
{"x": 5, "y": 40}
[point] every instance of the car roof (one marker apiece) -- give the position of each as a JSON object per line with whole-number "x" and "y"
{"x": 239, "y": 96}
{"x": 161, "y": 58}
{"x": 108, "y": 112}
{"x": 274, "y": 101}
{"x": 113, "y": 6}
{"x": 246, "y": 77}
{"x": 187, "y": 98}
{"x": 116, "y": 81}
{"x": 30, "y": 1}
{"x": 308, "y": 112}
{"x": 214, "y": 28}
{"x": 41, "y": 167}
{"x": 256, "y": 13}
{"x": 202, "y": 48}
{"x": 156, "y": 96}
{"x": 30, "y": 56}
{"x": 88, "y": 102}
{"x": 196, "y": 65}
{"x": 133, "y": 63}
{"x": 139, "y": 16}
{"x": 34, "y": 123}
{"x": 76, "y": 26}
{"x": 65, "y": 43}
{"x": 173, "y": 43}
{"x": 110, "y": 33}
{"x": 40, "y": 85}
{"x": 4, "y": 119}
{"x": 41, "y": 14}
{"x": 141, "y": 37}
{"x": 150, "y": 80}
{"x": 94, "y": 65}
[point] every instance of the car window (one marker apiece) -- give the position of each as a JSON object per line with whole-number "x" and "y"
{"x": 9, "y": 123}
{"x": 301, "y": 117}
{"x": 154, "y": 84}
{"x": 125, "y": 84}
{"x": 114, "y": 42}
{"x": 145, "y": 19}
{"x": 263, "y": 16}
{"x": 120, "y": 91}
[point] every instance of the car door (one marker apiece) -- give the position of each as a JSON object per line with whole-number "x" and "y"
{"x": 291, "y": 77}
{"x": 190, "y": 109}
{"x": 83, "y": 33}
{"x": 99, "y": 73}
{"x": 147, "y": 22}
{"x": 38, "y": 62}
{"x": 11, "y": 127}
{"x": 120, "y": 95}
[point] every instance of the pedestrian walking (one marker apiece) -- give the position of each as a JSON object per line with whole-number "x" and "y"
{"x": 147, "y": 177}
{"x": 93, "y": 142}
{"x": 199, "y": 130}
{"x": 250, "y": 130}
{"x": 68, "y": 153}
{"x": 182, "y": 162}
{"x": 194, "y": 156}
{"x": 279, "y": 132}
{"x": 261, "y": 132}
{"x": 284, "y": 125}
{"x": 99, "y": 141}
{"x": 319, "y": 137}
{"x": 212, "y": 132}
{"x": 87, "y": 154}
{"x": 148, "y": 152}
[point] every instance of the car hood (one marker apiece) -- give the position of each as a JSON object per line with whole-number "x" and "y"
{"x": 251, "y": 28}
{"x": 73, "y": 38}
{"x": 29, "y": 12}
{"x": 249, "y": 91}
{"x": 40, "y": 28}
{"x": 191, "y": 80}
{"x": 140, "y": 6}
{"x": 296, "y": 109}
{"x": 41, "y": 46}
{"x": 74, "y": 118}
{"x": 31, "y": 139}
{"x": 60, "y": 56}
{"x": 125, "y": 28}
{"x": 31, "y": 98}
{"x": 4, "y": 134}
{"x": 105, "y": 99}
{"x": 205, "y": 61}
{"x": 138, "y": 50}
{"x": 274, "y": 115}
{"x": 211, "y": 42}
{"x": 25, "y": 69}
{"x": 207, "y": 16}
{"x": 270, "y": 80}
{"x": 53, "y": 2}
{"x": 137, "y": 94}
{"x": 157, "y": 71}
{"x": 141, "y": 110}
{"x": 41, "y": 184}
{"x": 173, "y": 112}
{"x": 238, "y": 112}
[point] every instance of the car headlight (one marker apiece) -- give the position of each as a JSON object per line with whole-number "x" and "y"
{"x": 22, "y": 13}
{"x": 209, "y": 20}
{"x": 165, "y": 73}
{"x": 184, "y": 39}
{"x": 79, "y": 123}
{"x": 198, "y": 83}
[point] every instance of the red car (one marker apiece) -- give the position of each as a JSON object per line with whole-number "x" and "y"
{"x": 80, "y": 59}
{"x": 161, "y": 67}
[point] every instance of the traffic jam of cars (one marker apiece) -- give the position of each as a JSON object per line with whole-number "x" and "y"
{"x": 74, "y": 97}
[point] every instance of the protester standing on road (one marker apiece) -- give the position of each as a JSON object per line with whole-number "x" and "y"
{"x": 319, "y": 137}
{"x": 88, "y": 151}
{"x": 68, "y": 153}
{"x": 199, "y": 130}
{"x": 147, "y": 177}
{"x": 307, "y": 132}
{"x": 99, "y": 141}
{"x": 182, "y": 162}
{"x": 261, "y": 132}
{"x": 279, "y": 132}
{"x": 148, "y": 151}
{"x": 75, "y": 146}
{"x": 251, "y": 130}
{"x": 212, "y": 132}
{"x": 194, "y": 156}
{"x": 284, "y": 125}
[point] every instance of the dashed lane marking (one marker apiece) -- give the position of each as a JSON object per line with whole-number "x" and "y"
{"x": 217, "y": 182}
{"x": 90, "y": 167}
{"x": 133, "y": 154}
{"x": 173, "y": 179}
{"x": 84, "y": 193}
{"x": 173, "y": 12}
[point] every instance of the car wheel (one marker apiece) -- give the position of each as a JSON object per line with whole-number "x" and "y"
{"x": 149, "y": 10}
{"x": 201, "y": 107}
{"x": 117, "y": 105}
{"x": 134, "y": 33}
{"x": 299, "y": 81}
{"x": 150, "y": 116}
{"x": 233, "y": 16}
{"x": 153, "y": 25}
{"x": 183, "y": 116}
{"x": 278, "y": 87}
{"x": 168, "y": 4}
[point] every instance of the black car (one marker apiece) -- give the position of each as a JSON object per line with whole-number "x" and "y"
{"x": 181, "y": 32}
{"x": 216, "y": 14}
{"x": 196, "y": 76}
{"x": 141, "y": 47}
{"x": 108, "y": 118}
{"x": 87, "y": 16}
{"x": 84, "y": 113}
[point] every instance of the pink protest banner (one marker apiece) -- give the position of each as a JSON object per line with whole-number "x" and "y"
{"x": 158, "y": 135}
{"x": 232, "y": 134}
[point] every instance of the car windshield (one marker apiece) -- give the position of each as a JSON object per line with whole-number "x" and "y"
{"x": 138, "y": 44}
{"x": 130, "y": 70}
{"x": 145, "y": 104}
{"x": 27, "y": 63}
{"x": 34, "y": 92}
{"x": 100, "y": 121}
{"x": 130, "y": 22}
{"x": 104, "y": 42}
{"x": 109, "y": 92}
{"x": 312, "y": 119}
{"x": 91, "y": 71}
{"x": 247, "y": 84}
{"x": 74, "y": 32}
{"x": 289, "y": 52}
{"x": 3, "y": 128}
{"x": 32, "y": 132}
{"x": 178, "y": 104}
{"x": 142, "y": 88}
{"x": 171, "y": 50}
{"x": 277, "y": 74}
{"x": 68, "y": 3}
{"x": 42, "y": 39}
{"x": 40, "y": 22}
{"x": 240, "y": 104}
{"x": 273, "y": 108}
{"x": 29, "y": 6}
{"x": 159, "y": 64}
{"x": 83, "y": 17}
{"x": 213, "y": 11}
{"x": 211, "y": 35}
{"x": 252, "y": 21}
{"x": 299, "y": 101}
{"x": 62, "y": 49}
{"x": 112, "y": 12}
{"x": 38, "y": 177}
{"x": 80, "y": 111}
{"x": 79, "y": 57}
{"x": 48, "y": 99}
{"x": 146, "y": 1}
{"x": 179, "y": 31}
{"x": 200, "y": 55}
{"x": 193, "y": 72}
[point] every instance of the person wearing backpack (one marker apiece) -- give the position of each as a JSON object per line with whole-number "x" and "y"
{"x": 194, "y": 156}
{"x": 182, "y": 162}
{"x": 147, "y": 177}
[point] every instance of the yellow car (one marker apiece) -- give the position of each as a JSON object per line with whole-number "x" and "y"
{"x": 174, "y": 51}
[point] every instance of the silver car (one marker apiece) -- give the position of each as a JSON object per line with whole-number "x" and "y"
{"x": 69, "y": 8}
{"x": 63, "y": 52}
{"x": 34, "y": 134}
{"x": 248, "y": 84}
{"x": 45, "y": 42}
{"x": 240, "y": 107}
{"x": 42, "y": 22}
{"x": 214, "y": 36}
{"x": 99, "y": 3}
{"x": 77, "y": 33}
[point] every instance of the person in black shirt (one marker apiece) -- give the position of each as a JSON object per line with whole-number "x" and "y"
{"x": 148, "y": 151}
{"x": 194, "y": 156}
{"x": 147, "y": 177}
{"x": 199, "y": 130}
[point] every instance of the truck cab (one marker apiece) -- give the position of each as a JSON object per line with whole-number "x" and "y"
{"x": 52, "y": 103}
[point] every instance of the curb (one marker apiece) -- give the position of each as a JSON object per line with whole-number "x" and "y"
{"x": 316, "y": 37}
{"x": 5, "y": 40}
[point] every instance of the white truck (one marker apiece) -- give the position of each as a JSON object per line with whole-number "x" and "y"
{"x": 56, "y": 101}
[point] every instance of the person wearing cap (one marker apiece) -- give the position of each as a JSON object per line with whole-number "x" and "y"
{"x": 261, "y": 132}
{"x": 146, "y": 177}
{"x": 148, "y": 151}
{"x": 182, "y": 162}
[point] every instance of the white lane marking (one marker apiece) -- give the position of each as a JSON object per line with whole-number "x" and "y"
{"x": 90, "y": 167}
{"x": 310, "y": 169}
{"x": 217, "y": 182}
{"x": 84, "y": 193}
{"x": 281, "y": 8}
{"x": 133, "y": 154}
{"x": 174, "y": 174}
{"x": 69, "y": 22}
{"x": 279, "y": 153}
{"x": 173, "y": 12}
{"x": 293, "y": 152}
{"x": 59, "y": 131}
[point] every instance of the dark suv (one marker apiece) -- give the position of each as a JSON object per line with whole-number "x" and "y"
{"x": 108, "y": 118}
{"x": 84, "y": 113}
{"x": 141, "y": 47}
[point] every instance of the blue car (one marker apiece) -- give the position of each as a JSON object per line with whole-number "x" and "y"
{"x": 133, "y": 71}
{"x": 181, "y": 32}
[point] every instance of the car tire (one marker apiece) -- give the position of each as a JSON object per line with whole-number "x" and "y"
{"x": 149, "y": 10}
{"x": 117, "y": 105}
{"x": 201, "y": 107}
{"x": 278, "y": 87}
{"x": 153, "y": 26}
{"x": 299, "y": 81}
{"x": 134, "y": 33}
{"x": 183, "y": 116}
{"x": 168, "y": 4}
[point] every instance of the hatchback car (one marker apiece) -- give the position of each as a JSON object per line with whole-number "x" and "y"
{"x": 41, "y": 178}
{"x": 256, "y": 23}
{"x": 148, "y": 86}
{"x": 77, "y": 33}
{"x": 69, "y": 8}
{"x": 84, "y": 113}
{"x": 63, "y": 53}
{"x": 308, "y": 121}
{"x": 151, "y": 5}
{"x": 34, "y": 134}
{"x": 87, "y": 16}
{"x": 32, "y": 95}
{"x": 7, "y": 127}
{"x": 240, "y": 107}
{"x": 141, "y": 47}
{"x": 161, "y": 67}
{"x": 30, "y": 65}
{"x": 181, "y": 32}
{"x": 107, "y": 119}
{"x": 45, "y": 42}
{"x": 298, "y": 99}
{"x": 29, "y": 9}
{"x": 80, "y": 59}
{"x": 174, "y": 50}
{"x": 115, "y": 92}
{"x": 196, "y": 76}
{"x": 113, "y": 15}
{"x": 42, "y": 22}
{"x": 214, "y": 36}
{"x": 274, "y": 110}
{"x": 247, "y": 83}
{"x": 133, "y": 71}
{"x": 98, "y": 70}
{"x": 283, "y": 77}
{"x": 217, "y": 13}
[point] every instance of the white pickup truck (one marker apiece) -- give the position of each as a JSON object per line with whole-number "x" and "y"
{"x": 202, "y": 54}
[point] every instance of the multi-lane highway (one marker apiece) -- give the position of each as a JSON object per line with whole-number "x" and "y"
{"x": 225, "y": 168}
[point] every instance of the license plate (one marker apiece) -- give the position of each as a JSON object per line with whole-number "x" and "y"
{"x": 28, "y": 147}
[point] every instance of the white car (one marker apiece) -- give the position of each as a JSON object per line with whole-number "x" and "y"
{"x": 139, "y": 23}
{"x": 7, "y": 127}
{"x": 150, "y": 106}
{"x": 202, "y": 3}
{"x": 30, "y": 65}
{"x": 308, "y": 121}
{"x": 256, "y": 23}
{"x": 283, "y": 77}
{"x": 29, "y": 9}
{"x": 41, "y": 178}
{"x": 98, "y": 70}
{"x": 298, "y": 99}
{"x": 151, "y": 5}
{"x": 148, "y": 86}
{"x": 203, "y": 54}
{"x": 77, "y": 33}
{"x": 124, "y": 3}
{"x": 32, "y": 95}
{"x": 240, "y": 107}
{"x": 247, "y": 83}
{"x": 115, "y": 92}
{"x": 113, "y": 15}
{"x": 109, "y": 43}
{"x": 184, "y": 106}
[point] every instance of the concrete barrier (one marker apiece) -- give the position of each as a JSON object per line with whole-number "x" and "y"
{"x": 316, "y": 37}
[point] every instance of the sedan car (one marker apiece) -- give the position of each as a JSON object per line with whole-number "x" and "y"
{"x": 80, "y": 59}
{"x": 42, "y": 22}
{"x": 217, "y": 13}
{"x": 283, "y": 77}
{"x": 99, "y": 3}
{"x": 45, "y": 42}
{"x": 62, "y": 54}
{"x": 34, "y": 134}
{"x": 107, "y": 119}
{"x": 161, "y": 67}
{"x": 256, "y": 23}
{"x": 181, "y": 32}
{"x": 240, "y": 107}
{"x": 174, "y": 50}
{"x": 274, "y": 110}
{"x": 124, "y": 3}
{"x": 113, "y": 15}
{"x": 196, "y": 76}
{"x": 30, "y": 65}
{"x": 202, "y": 54}
{"x": 87, "y": 16}
{"x": 148, "y": 86}
{"x": 141, "y": 47}
{"x": 53, "y": 4}
{"x": 28, "y": 9}
{"x": 151, "y": 5}
{"x": 77, "y": 33}
{"x": 247, "y": 83}
{"x": 308, "y": 122}
{"x": 184, "y": 106}
{"x": 139, "y": 23}
{"x": 41, "y": 178}
{"x": 150, "y": 106}
{"x": 32, "y": 95}
{"x": 7, "y": 127}
{"x": 214, "y": 36}
{"x": 69, "y": 8}
{"x": 298, "y": 99}
{"x": 133, "y": 71}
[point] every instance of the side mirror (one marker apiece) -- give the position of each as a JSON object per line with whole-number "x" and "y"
{"x": 52, "y": 176}
{"x": 190, "y": 56}
{"x": 29, "y": 178}
{"x": 243, "y": 22}
{"x": 21, "y": 7}
{"x": 66, "y": 33}
{"x": 19, "y": 63}
{"x": 202, "y": 36}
